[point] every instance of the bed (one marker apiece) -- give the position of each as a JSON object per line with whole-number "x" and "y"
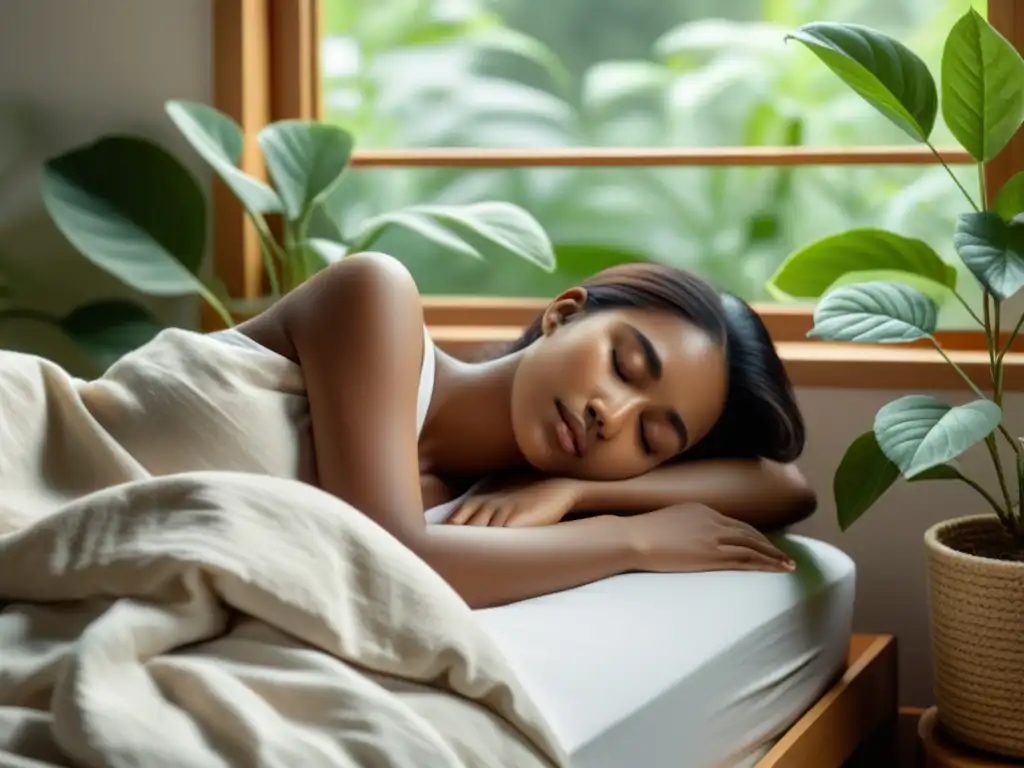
{"x": 626, "y": 680}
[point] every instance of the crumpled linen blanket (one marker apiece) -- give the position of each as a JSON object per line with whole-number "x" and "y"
{"x": 171, "y": 594}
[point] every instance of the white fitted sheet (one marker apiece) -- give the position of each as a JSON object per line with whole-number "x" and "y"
{"x": 682, "y": 670}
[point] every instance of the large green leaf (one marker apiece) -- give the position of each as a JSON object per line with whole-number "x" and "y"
{"x": 305, "y": 160}
{"x": 507, "y": 40}
{"x": 219, "y": 141}
{"x": 107, "y": 330}
{"x": 504, "y": 226}
{"x": 414, "y": 221}
{"x": 883, "y": 71}
{"x": 1009, "y": 203}
{"x": 982, "y": 87}
{"x": 809, "y": 272}
{"x": 133, "y": 210}
{"x": 937, "y": 292}
{"x": 864, "y": 474}
{"x": 993, "y": 250}
{"x": 918, "y": 432}
{"x": 877, "y": 312}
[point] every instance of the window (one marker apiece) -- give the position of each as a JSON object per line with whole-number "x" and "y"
{"x": 678, "y": 130}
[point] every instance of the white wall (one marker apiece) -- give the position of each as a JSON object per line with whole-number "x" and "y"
{"x": 87, "y": 67}
{"x": 79, "y": 69}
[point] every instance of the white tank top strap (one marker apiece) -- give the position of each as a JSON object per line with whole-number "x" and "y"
{"x": 426, "y": 388}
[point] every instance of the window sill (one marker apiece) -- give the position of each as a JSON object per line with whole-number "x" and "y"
{"x": 809, "y": 363}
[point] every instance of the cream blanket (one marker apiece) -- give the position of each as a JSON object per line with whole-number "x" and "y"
{"x": 171, "y": 594}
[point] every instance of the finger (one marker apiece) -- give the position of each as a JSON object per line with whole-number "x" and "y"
{"x": 482, "y": 517}
{"x": 754, "y": 540}
{"x": 743, "y": 558}
{"x": 504, "y": 515}
{"x": 465, "y": 511}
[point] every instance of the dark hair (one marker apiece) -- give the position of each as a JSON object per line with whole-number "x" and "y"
{"x": 761, "y": 418}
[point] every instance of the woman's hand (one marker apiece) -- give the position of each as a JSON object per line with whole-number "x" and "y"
{"x": 693, "y": 537}
{"x": 534, "y": 503}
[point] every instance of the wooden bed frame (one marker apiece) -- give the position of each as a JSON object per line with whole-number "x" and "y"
{"x": 856, "y": 714}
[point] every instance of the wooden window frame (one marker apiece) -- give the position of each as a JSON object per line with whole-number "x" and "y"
{"x": 266, "y": 68}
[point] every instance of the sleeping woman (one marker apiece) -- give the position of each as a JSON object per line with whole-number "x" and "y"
{"x": 642, "y": 422}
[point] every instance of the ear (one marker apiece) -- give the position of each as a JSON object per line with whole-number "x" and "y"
{"x": 567, "y": 304}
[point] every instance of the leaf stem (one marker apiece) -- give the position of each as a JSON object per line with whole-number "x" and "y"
{"x": 993, "y": 452}
{"x": 211, "y": 298}
{"x": 959, "y": 370}
{"x": 270, "y": 250}
{"x": 1013, "y": 337}
{"x": 982, "y": 187}
{"x": 971, "y": 311}
{"x": 953, "y": 176}
{"x": 985, "y": 494}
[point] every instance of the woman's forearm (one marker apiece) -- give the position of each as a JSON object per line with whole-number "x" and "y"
{"x": 762, "y": 493}
{"x": 495, "y": 566}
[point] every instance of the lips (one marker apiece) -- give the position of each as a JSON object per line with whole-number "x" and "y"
{"x": 572, "y": 432}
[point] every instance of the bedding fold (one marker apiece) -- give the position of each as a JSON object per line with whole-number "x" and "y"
{"x": 156, "y": 610}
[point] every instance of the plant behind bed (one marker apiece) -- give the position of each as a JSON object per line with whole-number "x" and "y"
{"x": 134, "y": 210}
{"x": 918, "y": 436}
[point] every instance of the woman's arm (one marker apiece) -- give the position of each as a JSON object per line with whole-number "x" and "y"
{"x": 355, "y": 328}
{"x": 762, "y": 493}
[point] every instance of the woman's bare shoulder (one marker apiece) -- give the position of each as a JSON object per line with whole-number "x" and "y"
{"x": 361, "y": 292}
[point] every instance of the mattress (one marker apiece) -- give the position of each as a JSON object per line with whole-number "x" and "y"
{"x": 682, "y": 670}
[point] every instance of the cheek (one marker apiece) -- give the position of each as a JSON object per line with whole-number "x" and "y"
{"x": 614, "y": 461}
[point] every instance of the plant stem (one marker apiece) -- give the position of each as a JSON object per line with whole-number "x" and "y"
{"x": 993, "y": 452}
{"x": 958, "y": 369}
{"x": 956, "y": 181}
{"x": 1013, "y": 337}
{"x": 982, "y": 187}
{"x": 211, "y": 298}
{"x": 970, "y": 310}
{"x": 270, "y": 251}
{"x": 28, "y": 314}
{"x": 985, "y": 494}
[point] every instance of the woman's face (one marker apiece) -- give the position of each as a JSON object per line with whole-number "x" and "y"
{"x": 612, "y": 394}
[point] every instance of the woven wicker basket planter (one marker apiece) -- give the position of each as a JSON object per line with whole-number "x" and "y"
{"x": 977, "y": 623}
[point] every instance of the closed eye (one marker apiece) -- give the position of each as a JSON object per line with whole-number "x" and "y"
{"x": 616, "y": 367}
{"x": 644, "y": 445}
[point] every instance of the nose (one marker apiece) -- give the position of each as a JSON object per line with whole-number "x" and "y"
{"x": 609, "y": 414}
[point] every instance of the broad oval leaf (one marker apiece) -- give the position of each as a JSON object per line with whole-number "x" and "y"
{"x": 810, "y": 272}
{"x": 414, "y": 221}
{"x": 504, "y": 225}
{"x": 993, "y": 250}
{"x": 918, "y": 432}
{"x": 982, "y": 87}
{"x": 937, "y": 292}
{"x": 1009, "y": 203}
{"x": 108, "y": 330}
{"x": 882, "y": 71}
{"x": 305, "y": 160}
{"x": 131, "y": 209}
{"x": 219, "y": 141}
{"x": 864, "y": 474}
{"x": 875, "y": 312}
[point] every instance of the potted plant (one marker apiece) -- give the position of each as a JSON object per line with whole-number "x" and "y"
{"x": 134, "y": 210}
{"x": 975, "y": 563}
